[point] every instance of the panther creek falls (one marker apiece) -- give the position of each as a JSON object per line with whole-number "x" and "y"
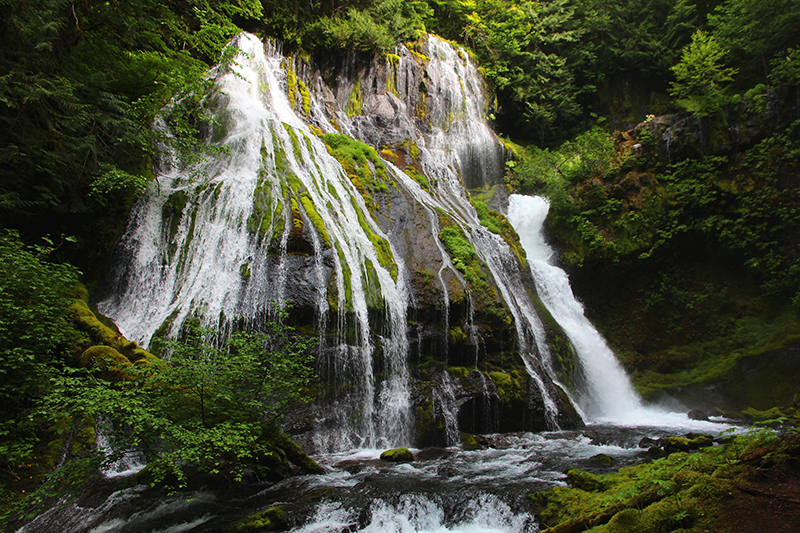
{"x": 347, "y": 196}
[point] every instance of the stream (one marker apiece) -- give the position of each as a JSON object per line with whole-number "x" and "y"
{"x": 445, "y": 490}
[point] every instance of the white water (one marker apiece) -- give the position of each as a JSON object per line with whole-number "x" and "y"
{"x": 609, "y": 395}
{"x": 160, "y": 284}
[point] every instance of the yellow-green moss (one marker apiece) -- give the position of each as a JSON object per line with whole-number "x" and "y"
{"x": 272, "y": 519}
{"x": 354, "y": 102}
{"x": 86, "y": 321}
{"x": 306, "y": 97}
{"x": 313, "y": 215}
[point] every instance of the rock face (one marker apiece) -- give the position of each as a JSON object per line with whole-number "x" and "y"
{"x": 343, "y": 193}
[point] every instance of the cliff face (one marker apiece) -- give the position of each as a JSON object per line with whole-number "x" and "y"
{"x": 340, "y": 190}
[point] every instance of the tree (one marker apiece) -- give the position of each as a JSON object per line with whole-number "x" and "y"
{"x": 755, "y": 31}
{"x": 701, "y": 77}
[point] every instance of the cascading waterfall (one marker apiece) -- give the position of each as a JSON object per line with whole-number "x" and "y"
{"x": 280, "y": 218}
{"x": 214, "y": 258}
{"x": 608, "y": 394}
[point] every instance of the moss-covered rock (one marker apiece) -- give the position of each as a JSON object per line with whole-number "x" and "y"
{"x": 272, "y": 519}
{"x": 107, "y": 362}
{"x": 468, "y": 442}
{"x": 398, "y": 455}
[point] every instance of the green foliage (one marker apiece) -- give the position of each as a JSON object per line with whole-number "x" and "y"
{"x": 756, "y": 32}
{"x": 378, "y": 27}
{"x": 35, "y": 335}
{"x": 700, "y": 77}
{"x": 214, "y": 408}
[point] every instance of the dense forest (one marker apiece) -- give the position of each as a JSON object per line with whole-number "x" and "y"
{"x": 665, "y": 132}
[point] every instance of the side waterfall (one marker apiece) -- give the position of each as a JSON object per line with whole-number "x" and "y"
{"x": 607, "y": 395}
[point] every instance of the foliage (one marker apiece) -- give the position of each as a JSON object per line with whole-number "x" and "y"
{"x": 700, "y": 77}
{"x": 376, "y": 28}
{"x": 756, "y": 32}
{"x": 211, "y": 407}
{"x": 35, "y": 332}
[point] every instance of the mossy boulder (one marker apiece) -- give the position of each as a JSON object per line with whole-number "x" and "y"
{"x": 398, "y": 455}
{"x": 675, "y": 444}
{"x": 298, "y": 457}
{"x": 100, "y": 333}
{"x": 468, "y": 442}
{"x": 272, "y": 519}
{"x": 106, "y": 362}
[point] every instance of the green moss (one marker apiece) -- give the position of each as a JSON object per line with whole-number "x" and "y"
{"x": 86, "y": 321}
{"x": 295, "y": 141}
{"x": 381, "y": 245}
{"x": 468, "y": 442}
{"x": 510, "y": 386}
{"x": 272, "y": 519}
{"x": 306, "y": 97}
{"x": 244, "y": 270}
{"x": 398, "y": 455}
{"x": 680, "y": 491}
{"x": 354, "y": 101}
{"x": 363, "y": 166}
{"x": 313, "y": 215}
{"x": 291, "y": 81}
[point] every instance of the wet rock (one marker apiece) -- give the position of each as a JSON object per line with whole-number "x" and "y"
{"x": 697, "y": 414}
{"x": 647, "y": 442}
{"x": 398, "y": 455}
{"x": 432, "y": 454}
{"x": 601, "y": 459}
{"x": 272, "y": 519}
{"x": 675, "y": 444}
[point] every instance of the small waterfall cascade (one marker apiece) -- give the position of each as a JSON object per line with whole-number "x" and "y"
{"x": 609, "y": 395}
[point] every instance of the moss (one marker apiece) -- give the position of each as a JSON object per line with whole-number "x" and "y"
{"x": 272, "y": 519}
{"x": 306, "y": 97}
{"x": 295, "y": 141}
{"x": 680, "y": 491}
{"x": 244, "y": 270}
{"x": 363, "y": 166}
{"x": 106, "y": 362}
{"x": 86, "y": 321}
{"x": 398, "y": 455}
{"x": 510, "y": 386}
{"x": 354, "y": 101}
{"x": 313, "y": 215}
{"x": 381, "y": 245}
{"x": 291, "y": 81}
{"x": 468, "y": 442}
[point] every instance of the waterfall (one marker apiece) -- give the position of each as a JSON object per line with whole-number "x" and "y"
{"x": 608, "y": 392}
{"x": 230, "y": 253}
{"x": 297, "y": 210}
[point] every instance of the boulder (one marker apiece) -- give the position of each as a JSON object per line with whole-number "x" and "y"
{"x": 398, "y": 455}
